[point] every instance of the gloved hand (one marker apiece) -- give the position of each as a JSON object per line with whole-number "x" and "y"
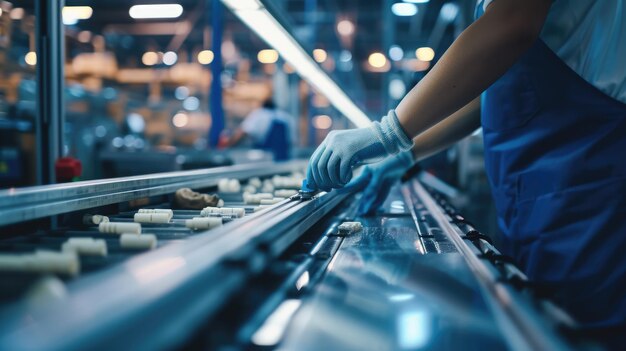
{"x": 377, "y": 179}
{"x": 331, "y": 164}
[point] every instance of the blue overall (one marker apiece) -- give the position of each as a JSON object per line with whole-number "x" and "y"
{"x": 555, "y": 154}
{"x": 277, "y": 141}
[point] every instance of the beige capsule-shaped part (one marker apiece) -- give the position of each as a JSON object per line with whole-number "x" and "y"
{"x": 90, "y": 219}
{"x": 44, "y": 261}
{"x": 223, "y": 211}
{"x": 119, "y": 228}
{"x": 86, "y": 246}
{"x": 256, "y": 198}
{"x": 203, "y": 222}
{"x": 272, "y": 201}
{"x": 138, "y": 242}
{"x": 255, "y": 182}
{"x": 350, "y": 227}
{"x": 157, "y": 210}
{"x": 152, "y": 217}
{"x": 285, "y": 192}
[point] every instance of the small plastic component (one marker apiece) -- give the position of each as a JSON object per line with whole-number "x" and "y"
{"x": 157, "y": 210}
{"x": 152, "y": 218}
{"x": 285, "y": 192}
{"x": 268, "y": 186}
{"x": 44, "y": 261}
{"x": 272, "y": 201}
{"x": 250, "y": 189}
{"x": 286, "y": 182}
{"x": 203, "y": 222}
{"x": 350, "y": 227}
{"x": 138, "y": 242}
{"x": 256, "y": 198}
{"x": 224, "y": 211}
{"x": 119, "y": 228}
{"x": 255, "y": 182}
{"x": 220, "y": 203}
{"x": 90, "y": 219}
{"x": 86, "y": 246}
{"x": 229, "y": 186}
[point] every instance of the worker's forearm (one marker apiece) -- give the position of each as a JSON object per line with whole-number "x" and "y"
{"x": 447, "y": 132}
{"x": 483, "y": 53}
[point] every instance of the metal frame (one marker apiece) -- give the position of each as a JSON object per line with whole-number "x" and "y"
{"x": 23, "y": 204}
{"x": 524, "y": 328}
{"x": 187, "y": 282}
{"x": 50, "y": 85}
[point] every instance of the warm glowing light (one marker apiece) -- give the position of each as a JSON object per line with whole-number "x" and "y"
{"x": 170, "y": 58}
{"x": 155, "y": 11}
{"x": 31, "y": 58}
{"x": 205, "y": 57}
{"x": 180, "y": 120}
{"x": 322, "y": 122}
{"x": 17, "y": 13}
{"x": 72, "y": 14}
{"x": 345, "y": 27}
{"x": 320, "y": 55}
{"x": 377, "y": 60}
{"x": 425, "y": 54}
{"x": 150, "y": 58}
{"x": 268, "y": 56}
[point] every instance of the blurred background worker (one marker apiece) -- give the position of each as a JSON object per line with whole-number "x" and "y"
{"x": 267, "y": 128}
{"x": 553, "y": 78}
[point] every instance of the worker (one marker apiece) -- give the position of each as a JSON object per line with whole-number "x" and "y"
{"x": 552, "y": 75}
{"x": 268, "y": 129}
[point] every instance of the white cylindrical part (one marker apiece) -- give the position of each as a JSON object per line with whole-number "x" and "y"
{"x": 56, "y": 262}
{"x": 234, "y": 185}
{"x": 285, "y": 192}
{"x": 220, "y": 203}
{"x": 203, "y": 222}
{"x": 250, "y": 189}
{"x": 89, "y": 219}
{"x": 224, "y": 211}
{"x": 255, "y": 182}
{"x": 228, "y": 185}
{"x": 272, "y": 201}
{"x": 86, "y": 246}
{"x": 152, "y": 217}
{"x": 256, "y": 198}
{"x": 157, "y": 210}
{"x": 119, "y": 228}
{"x": 138, "y": 242}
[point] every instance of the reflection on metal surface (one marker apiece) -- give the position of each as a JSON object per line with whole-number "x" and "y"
{"x": 147, "y": 273}
{"x": 302, "y": 281}
{"x": 271, "y": 332}
{"x": 401, "y": 297}
{"x": 414, "y": 329}
{"x": 397, "y": 207}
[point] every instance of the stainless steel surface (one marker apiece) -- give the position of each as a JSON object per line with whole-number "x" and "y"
{"x": 18, "y": 205}
{"x": 524, "y": 328}
{"x": 381, "y": 292}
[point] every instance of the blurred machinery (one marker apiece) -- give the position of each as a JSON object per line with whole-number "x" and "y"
{"x": 417, "y": 275}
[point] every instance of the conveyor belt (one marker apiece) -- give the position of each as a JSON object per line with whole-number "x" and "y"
{"x": 282, "y": 277}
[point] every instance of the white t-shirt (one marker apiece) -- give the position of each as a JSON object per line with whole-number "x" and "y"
{"x": 590, "y": 37}
{"x": 258, "y": 123}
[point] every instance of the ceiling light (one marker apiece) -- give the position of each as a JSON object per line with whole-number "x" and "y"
{"x": 345, "y": 56}
{"x": 170, "y": 58}
{"x": 449, "y": 11}
{"x": 320, "y": 55}
{"x": 180, "y": 120}
{"x": 345, "y": 27}
{"x": 322, "y": 122}
{"x": 150, "y": 58}
{"x": 155, "y": 11}
{"x": 403, "y": 9}
{"x": 243, "y": 5}
{"x": 30, "y": 58}
{"x": 396, "y": 53}
{"x": 274, "y": 34}
{"x": 377, "y": 60}
{"x": 205, "y": 57}
{"x": 75, "y": 13}
{"x": 191, "y": 103}
{"x": 267, "y": 56}
{"x": 17, "y": 13}
{"x": 425, "y": 54}
{"x": 417, "y": 1}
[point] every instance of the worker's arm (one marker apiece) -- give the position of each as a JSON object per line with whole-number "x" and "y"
{"x": 447, "y": 132}
{"x": 481, "y": 54}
